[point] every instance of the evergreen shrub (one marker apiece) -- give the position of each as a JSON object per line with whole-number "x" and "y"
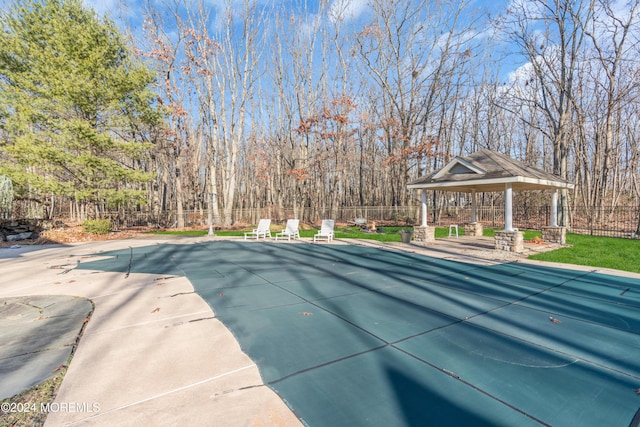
{"x": 97, "y": 226}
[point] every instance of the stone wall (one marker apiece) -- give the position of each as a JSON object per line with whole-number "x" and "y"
{"x": 19, "y": 229}
{"x": 510, "y": 241}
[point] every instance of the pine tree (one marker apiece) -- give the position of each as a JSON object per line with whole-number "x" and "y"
{"x": 76, "y": 109}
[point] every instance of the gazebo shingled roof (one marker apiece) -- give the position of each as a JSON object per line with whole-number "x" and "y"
{"x": 488, "y": 171}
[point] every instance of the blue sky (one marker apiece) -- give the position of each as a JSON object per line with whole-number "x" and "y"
{"x": 352, "y": 10}
{"x": 130, "y": 13}
{"x": 355, "y": 13}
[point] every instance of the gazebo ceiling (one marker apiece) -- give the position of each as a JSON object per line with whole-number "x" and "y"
{"x": 488, "y": 171}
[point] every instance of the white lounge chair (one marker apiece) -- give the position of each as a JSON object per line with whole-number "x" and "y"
{"x": 290, "y": 230}
{"x": 326, "y": 231}
{"x": 263, "y": 230}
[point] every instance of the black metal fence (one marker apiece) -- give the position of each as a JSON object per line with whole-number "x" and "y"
{"x": 621, "y": 221}
{"x": 618, "y": 222}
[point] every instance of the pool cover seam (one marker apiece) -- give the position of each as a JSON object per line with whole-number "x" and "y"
{"x": 386, "y": 343}
{"x": 467, "y": 383}
{"x": 591, "y": 322}
{"x": 602, "y": 300}
{"x": 392, "y": 345}
{"x": 329, "y": 363}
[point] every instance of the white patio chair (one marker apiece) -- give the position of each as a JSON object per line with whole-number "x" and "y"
{"x": 326, "y": 231}
{"x": 263, "y": 230}
{"x": 290, "y": 230}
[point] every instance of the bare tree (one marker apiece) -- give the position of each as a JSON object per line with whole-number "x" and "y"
{"x": 415, "y": 54}
{"x": 298, "y": 72}
{"x": 615, "y": 47}
{"x": 220, "y": 70}
{"x": 550, "y": 34}
{"x": 172, "y": 149}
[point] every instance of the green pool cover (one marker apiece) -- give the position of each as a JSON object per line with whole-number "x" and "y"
{"x": 358, "y": 336}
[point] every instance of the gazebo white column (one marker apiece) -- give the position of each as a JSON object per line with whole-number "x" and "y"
{"x": 473, "y": 206}
{"x": 508, "y": 208}
{"x": 554, "y": 209}
{"x": 424, "y": 208}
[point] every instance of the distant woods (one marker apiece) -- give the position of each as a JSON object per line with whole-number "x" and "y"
{"x": 312, "y": 107}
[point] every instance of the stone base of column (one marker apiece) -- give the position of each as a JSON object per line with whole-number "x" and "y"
{"x": 554, "y": 234}
{"x": 473, "y": 229}
{"x": 510, "y": 241}
{"x": 424, "y": 235}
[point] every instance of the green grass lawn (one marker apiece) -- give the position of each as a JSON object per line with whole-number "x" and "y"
{"x": 605, "y": 252}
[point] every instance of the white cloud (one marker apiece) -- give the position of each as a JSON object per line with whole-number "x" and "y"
{"x": 522, "y": 74}
{"x": 346, "y": 10}
{"x": 620, "y": 9}
{"x": 608, "y": 23}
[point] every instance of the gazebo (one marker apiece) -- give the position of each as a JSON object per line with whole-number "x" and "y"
{"x": 490, "y": 171}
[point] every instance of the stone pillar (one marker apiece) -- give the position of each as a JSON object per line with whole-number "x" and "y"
{"x": 424, "y": 235}
{"x": 554, "y": 234}
{"x": 473, "y": 229}
{"x": 510, "y": 241}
